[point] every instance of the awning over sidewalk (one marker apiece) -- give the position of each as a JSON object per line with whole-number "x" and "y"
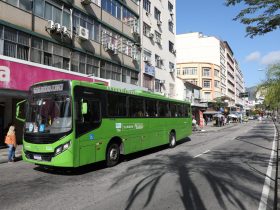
{"x": 212, "y": 112}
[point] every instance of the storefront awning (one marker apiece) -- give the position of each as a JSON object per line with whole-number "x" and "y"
{"x": 211, "y": 112}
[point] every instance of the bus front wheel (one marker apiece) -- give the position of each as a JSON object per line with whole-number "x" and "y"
{"x": 172, "y": 140}
{"x": 113, "y": 154}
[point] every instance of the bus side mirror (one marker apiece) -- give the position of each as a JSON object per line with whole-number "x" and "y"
{"x": 84, "y": 108}
{"x": 20, "y": 111}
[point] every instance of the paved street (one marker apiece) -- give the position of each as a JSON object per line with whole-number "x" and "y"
{"x": 225, "y": 169}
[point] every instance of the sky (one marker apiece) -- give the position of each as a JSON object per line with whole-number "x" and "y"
{"x": 213, "y": 18}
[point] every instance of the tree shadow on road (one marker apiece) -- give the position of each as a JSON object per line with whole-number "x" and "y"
{"x": 221, "y": 175}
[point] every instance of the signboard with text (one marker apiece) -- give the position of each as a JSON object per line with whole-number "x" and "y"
{"x": 21, "y": 75}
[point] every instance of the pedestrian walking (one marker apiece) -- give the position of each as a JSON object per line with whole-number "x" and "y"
{"x": 206, "y": 119}
{"x": 10, "y": 140}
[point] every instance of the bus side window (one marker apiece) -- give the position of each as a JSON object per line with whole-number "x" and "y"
{"x": 151, "y": 108}
{"x": 173, "y": 110}
{"x": 136, "y": 107}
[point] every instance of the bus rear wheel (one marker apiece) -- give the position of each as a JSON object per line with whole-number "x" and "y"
{"x": 172, "y": 140}
{"x": 113, "y": 154}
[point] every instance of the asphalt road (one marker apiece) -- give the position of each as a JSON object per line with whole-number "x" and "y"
{"x": 215, "y": 170}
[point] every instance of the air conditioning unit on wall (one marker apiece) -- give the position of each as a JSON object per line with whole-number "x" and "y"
{"x": 83, "y": 33}
{"x": 50, "y": 25}
{"x": 57, "y": 27}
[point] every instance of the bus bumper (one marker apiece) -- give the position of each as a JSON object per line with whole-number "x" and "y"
{"x": 64, "y": 159}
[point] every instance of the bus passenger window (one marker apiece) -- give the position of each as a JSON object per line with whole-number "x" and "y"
{"x": 136, "y": 107}
{"x": 151, "y": 108}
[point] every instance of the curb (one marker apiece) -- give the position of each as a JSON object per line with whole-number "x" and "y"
{"x": 215, "y": 130}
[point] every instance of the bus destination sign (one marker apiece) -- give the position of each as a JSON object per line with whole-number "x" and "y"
{"x": 48, "y": 88}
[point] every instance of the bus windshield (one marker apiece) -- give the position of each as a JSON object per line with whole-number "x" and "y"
{"x": 49, "y": 114}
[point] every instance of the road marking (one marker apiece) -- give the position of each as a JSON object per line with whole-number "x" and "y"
{"x": 266, "y": 186}
{"x": 201, "y": 154}
{"x": 197, "y": 156}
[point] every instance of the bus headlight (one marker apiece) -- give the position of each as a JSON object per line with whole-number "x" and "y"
{"x": 62, "y": 148}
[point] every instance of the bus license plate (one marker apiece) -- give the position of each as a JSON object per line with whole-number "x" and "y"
{"x": 37, "y": 157}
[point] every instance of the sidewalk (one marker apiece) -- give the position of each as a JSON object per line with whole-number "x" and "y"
{"x": 212, "y": 128}
{"x": 4, "y": 154}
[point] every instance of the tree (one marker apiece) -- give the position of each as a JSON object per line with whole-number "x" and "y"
{"x": 266, "y": 19}
{"x": 270, "y": 88}
{"x": 219, "y": 102}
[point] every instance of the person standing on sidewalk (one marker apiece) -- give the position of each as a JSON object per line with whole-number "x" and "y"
{"x": 10, "y": 140}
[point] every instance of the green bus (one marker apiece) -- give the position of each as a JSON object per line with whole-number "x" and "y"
{"x": 70, "y": 123}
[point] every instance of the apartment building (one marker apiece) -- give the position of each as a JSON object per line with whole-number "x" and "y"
{"x": 89, "y": 40}
{"x": 209, "y": 62}
{"x": 239, "y": 86}
{"x": 158, "y": 46}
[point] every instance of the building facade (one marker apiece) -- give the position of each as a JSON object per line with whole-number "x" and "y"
{"x": 158, "y": 46}
{"x": 209, "y": 62}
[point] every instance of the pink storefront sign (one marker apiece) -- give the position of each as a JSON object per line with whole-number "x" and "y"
{"x": 21, "y": 75}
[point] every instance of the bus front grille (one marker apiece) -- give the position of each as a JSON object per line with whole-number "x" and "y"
{"x": 40, "y": 156}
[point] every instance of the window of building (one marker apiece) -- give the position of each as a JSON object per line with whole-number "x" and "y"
{"x": 171, "y": 47}
{"x": 134, "y": 77}
{"x": 22, "y": 4}
{"x": 157, "y": 85}
{"x": 206, "y": 72}
{"x": 157, "y": 14}
{"x": 128, "y": 17}
{"x": 207, "y": 83}
{"x": 189, "y": 71}
{"x": 52, "y": 11}
{"x": 119, "y": 43}
{"x": 170, "y": 7}
{"x": 171, "y": 90}
{"x": 112, "y": 7}
{"x": 207, "y": 96}
{"x": 147, "y": 5}
{"x": 85, "y": 64}
{"x": 110, "y": 71}
{"x": 171, "y": 65}
{"x": 178, "y": 71}
{"x": 93, "y": 27}
{"x": 158, "y": 37}
{"x": 148, "y": 82}
{"x": 14, "y": 43}
{"x": 147, "y": 54}
{"x": 158, "y": 61}
{"x": 146, "y": 29}
{"x": 216, "y": 83}
{"x": 216, "y": 73}
{"x": 171, "y": 26}
{"x": 128, "y": 48}
{"x": 129, "y": 76}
